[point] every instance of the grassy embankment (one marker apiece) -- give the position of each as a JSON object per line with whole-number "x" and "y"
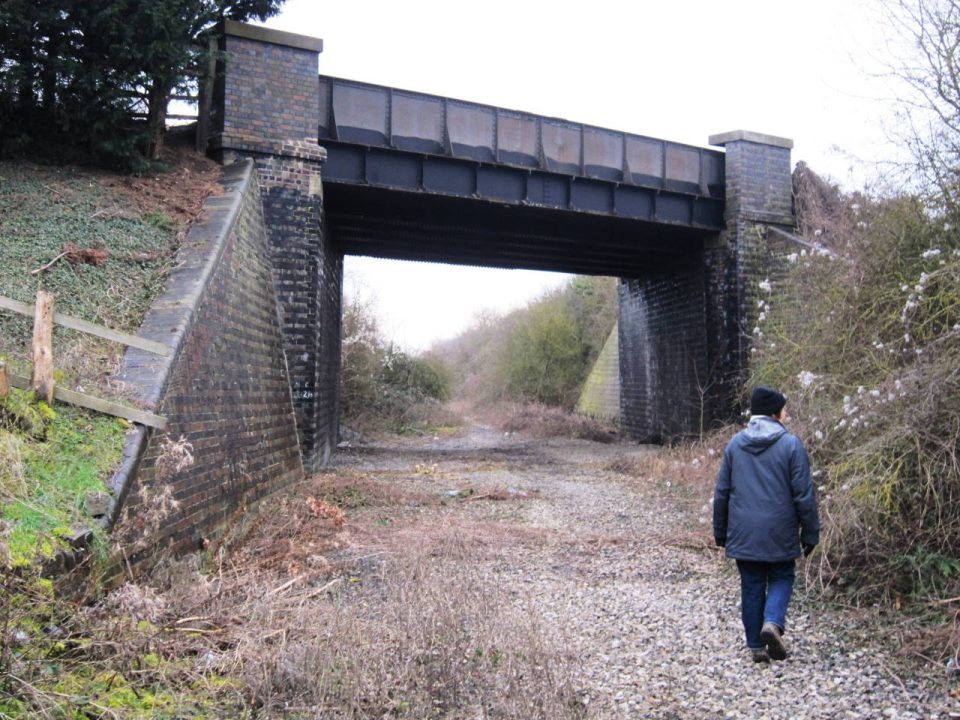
{"x": 54, "y": 459}
{"x": 51, "y": 458}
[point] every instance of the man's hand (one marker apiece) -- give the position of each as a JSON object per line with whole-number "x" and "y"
{"x": 807, "y": 549}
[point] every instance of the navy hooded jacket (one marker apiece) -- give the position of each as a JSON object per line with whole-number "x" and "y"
{"x": 764, "y": 504}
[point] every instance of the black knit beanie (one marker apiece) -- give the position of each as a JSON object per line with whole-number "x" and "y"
{"x": 766, "y": 401}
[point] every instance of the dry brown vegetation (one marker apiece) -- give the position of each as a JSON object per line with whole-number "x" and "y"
{"x": 545, "y": 421}
{"x": 422, "y": 604}
{"x": 421, "y": 633}
{"x": 179, "y": 193}
{"x": 687, "y": 473}
{"x": 394, "y": 614}
{"x": 387, "y": 607}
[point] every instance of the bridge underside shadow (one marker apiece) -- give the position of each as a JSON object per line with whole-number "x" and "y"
{"x": 410, "y": 226}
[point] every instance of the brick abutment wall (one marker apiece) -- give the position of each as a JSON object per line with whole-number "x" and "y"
{"x": 308, "y": 272}
{"x": 231, "y": 437}
{"x": 686, "y": 329}
{"x": 269, "y": 97}
{"x": 663, "y": 351}
{"x": 749, "y": 254}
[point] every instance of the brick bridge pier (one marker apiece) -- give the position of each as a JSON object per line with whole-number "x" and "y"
{"x": 347, "y": 168}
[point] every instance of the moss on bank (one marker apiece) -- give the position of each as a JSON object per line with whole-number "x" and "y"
{"x": 44, "y": 484}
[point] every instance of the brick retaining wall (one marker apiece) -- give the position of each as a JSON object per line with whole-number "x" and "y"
{"x": 686, "y": 329}
{"x": 225, "y": 391}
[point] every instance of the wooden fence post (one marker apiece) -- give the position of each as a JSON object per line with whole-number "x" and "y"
{"x": 42, "y": 380}
{"x": 4, "y": 383}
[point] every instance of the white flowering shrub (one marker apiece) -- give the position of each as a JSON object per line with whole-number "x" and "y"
{"x": 864, "y": 339}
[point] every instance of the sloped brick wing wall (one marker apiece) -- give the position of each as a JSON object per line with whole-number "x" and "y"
{"x": 225, "y": 390}
{"x": 600, "y": 396}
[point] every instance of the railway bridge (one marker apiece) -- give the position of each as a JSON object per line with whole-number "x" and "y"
{"x": 350, "y": 168}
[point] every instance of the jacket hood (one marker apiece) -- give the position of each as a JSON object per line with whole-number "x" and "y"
{"x": 761, "y": 432}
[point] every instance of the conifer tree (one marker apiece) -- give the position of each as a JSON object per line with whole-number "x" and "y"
{"x": 76, "y": 75}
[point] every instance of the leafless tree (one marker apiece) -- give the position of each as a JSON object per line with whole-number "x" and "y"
{"x": 925, "y": 56}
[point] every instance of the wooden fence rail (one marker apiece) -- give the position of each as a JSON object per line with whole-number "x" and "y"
{"x": 94, "y": 403}
{"x": 89, "y": 328}
{"x": 42, "y": 380}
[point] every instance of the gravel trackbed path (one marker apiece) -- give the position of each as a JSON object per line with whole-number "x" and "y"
{"x": 623, "y": 571}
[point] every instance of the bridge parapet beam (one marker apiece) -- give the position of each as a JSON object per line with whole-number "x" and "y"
{"x": 361, "y": 114}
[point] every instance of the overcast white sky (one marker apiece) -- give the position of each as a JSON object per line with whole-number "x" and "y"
{"x": 681, "y": 70}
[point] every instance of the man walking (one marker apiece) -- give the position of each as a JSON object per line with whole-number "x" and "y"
{"x": 765, "y": 515}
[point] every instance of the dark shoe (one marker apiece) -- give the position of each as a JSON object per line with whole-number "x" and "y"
{"x": 770, "y": 634}
{"x": 760, "y": 655}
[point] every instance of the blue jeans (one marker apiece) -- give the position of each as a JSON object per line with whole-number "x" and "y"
{"x": 765, "y": 590}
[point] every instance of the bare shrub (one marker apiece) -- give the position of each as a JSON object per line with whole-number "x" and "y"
{"x": 382, "y": 387}
{"x": 540, "y": 353}
{"x": 138, "y": 602}
{"x": 922, "y": 37}
{"x": 175, "y": 457}
{"x": 323, "y": 509}
{"x": 155, "y": 504}
{"x": 545, "y": 421}
{"x": 142, "y": 519}
{"x": 432, "y": 415}
{"x": 354, "y": 489}
{"x": 684, "y": 475}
